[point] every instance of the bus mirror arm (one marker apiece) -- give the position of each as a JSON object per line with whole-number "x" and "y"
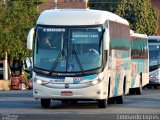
{"x": 106, "y": 39}
{"x": 30, "y": 38}
{"x": 101, "y": 38}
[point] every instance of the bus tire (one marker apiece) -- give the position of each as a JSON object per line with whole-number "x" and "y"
{"x": 45, "y": 103}
{"x": 139, "y": 90}
{"x": 111, "y": 100}
{"x": 120, "y": 99}
{"x": 102, "y": 103}
{"x": 132, "y": 91}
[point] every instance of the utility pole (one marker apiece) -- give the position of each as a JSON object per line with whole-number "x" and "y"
{"x": 5, "y": 67}
{"x": 4, "y": 1}
{"x": 55, "y": 2}
{"x": 86, "y": 3}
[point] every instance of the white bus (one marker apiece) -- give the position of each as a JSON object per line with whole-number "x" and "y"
{"x": 88, "y": 57}
{"x": 154, "y": 62}
{"x": 139, "y": 62}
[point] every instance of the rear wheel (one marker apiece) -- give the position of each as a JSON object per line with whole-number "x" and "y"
{"x": 120, "y": 99}
{"x": 111, "y": 100}
{"x": 139, "y": 90}
{"x": 132, "y": 91}
{"x": 102, "y": 103}
{"x": 45, "y": 103}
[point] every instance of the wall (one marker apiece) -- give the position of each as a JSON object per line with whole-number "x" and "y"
{"x": 59, "y": 4}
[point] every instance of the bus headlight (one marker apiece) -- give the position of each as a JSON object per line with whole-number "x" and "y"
{"x": 94, "y": 82}
{"x": 41, "y": 82}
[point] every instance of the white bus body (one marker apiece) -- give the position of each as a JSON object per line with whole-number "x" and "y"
{"x": 154, "y": 62}
{"x": 139, "y": 62}
{"x": 88, "y": 58}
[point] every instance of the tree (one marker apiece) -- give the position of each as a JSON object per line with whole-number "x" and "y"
{"x": 143, "y": 18}
{"x": 2, "y": 18}
{"x": 108, "y": 5}
{"x": 17, "y": 17}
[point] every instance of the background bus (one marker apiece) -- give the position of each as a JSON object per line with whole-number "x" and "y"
{"x": 1, "y": 69}
{"x": 139, "y": 62}
{"x": 88, "y": 57}
{"x": 154, "y": 61}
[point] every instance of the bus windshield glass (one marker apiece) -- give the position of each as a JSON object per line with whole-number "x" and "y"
{"x": 68, "y": 49}
{"x": 154, "y": 55}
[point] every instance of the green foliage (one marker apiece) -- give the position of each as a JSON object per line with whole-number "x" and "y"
{"x": 142, "y": 16}
{"x": 108, "y": 5}
{"x": 17, "y": 17}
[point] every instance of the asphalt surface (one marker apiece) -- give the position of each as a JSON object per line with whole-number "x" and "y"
{"x": 19, "y": 105}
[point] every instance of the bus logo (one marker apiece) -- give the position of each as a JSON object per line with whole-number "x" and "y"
{"x": 70, "y": 67}
{"x": 66, "y": 85}
{"x": 77, "y": 79}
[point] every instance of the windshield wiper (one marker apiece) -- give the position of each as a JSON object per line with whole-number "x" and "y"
{"x": 77, "y": 59}
{"x": 56, "y": 62}
{"x": 100, "y": 40}
{"x": 61, "y": 53}
{"x": 37, "y": 38}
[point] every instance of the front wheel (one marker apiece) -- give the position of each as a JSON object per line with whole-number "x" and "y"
{"x": 102, "y": 103}
{"x": 45, "y": 103}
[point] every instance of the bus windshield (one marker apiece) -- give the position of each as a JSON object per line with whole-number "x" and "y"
{"x": 68, "y": 49}
{"x": 154, "y": 55}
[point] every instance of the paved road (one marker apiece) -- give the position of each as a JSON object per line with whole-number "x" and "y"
{"x": 19, "y": 103}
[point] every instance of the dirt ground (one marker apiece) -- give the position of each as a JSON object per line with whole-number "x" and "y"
{"x": 4, "y": 85}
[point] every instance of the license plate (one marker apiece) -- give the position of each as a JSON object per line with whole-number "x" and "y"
{"x": 66, "y": 93}
{"x": 57, "y": 81}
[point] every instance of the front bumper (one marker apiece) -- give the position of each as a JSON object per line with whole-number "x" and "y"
{"x": 92, "y": 92}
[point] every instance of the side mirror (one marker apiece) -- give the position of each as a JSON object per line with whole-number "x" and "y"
{"x": 106, "y": 39}
{"x": 30, "y": 39}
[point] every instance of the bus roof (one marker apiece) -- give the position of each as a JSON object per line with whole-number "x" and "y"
{"x": 138, "y": 35}
{"x": 154, "y": 38}
{"x": 77, "y": 17}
